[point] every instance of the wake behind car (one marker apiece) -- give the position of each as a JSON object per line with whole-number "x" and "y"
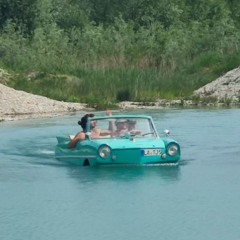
{"x": 127, "y": 139}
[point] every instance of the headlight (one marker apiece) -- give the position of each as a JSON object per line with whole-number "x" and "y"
{"x": 172, "y": 149}
{"x": 104, "y": 151}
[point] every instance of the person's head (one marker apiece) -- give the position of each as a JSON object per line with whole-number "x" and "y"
{"x": 84, "y": 119}
{"x": 131, "y": 124}
{"x": 93, "y": 124}
{"x": 121, "y": 124}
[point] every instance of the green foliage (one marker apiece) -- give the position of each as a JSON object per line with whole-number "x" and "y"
{"x": 118, "y": 50}
{"x": 99, "y": 103}
{"x": 71, "y": 14}
{"x": 105, "y": 11}
{"x": 123, "y": 95}
{"x": 234, "y": 6}
{"x": 21, "y": 13}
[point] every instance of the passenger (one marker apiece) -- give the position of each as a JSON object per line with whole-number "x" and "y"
{"x": 80, "y": 136}
{"x": 123, "y": 126}
{"x": 95, "y": 133}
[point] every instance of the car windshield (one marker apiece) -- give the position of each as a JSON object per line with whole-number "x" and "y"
{"x": 126, "y": 126}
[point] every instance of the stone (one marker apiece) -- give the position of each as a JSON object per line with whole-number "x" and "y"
{"x": 224, "y": 88}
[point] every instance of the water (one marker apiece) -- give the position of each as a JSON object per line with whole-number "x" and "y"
{"x": 197, "y": 199}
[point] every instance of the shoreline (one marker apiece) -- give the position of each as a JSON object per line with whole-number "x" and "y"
{"x": 126, "y": 105}
{"x": 224, "y": 92}
{"x": 18, "y": 105}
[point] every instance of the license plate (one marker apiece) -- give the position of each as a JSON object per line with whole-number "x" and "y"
{"x": 151, "y": 152}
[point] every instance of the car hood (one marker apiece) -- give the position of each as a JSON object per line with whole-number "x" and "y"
{"x": 132, "y": 143}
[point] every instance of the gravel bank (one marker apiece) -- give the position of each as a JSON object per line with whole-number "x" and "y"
{"x": 16, "y": 105}
{"x": 225, "y": 88}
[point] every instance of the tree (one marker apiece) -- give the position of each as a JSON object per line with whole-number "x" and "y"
{"x": 21, "y": 12}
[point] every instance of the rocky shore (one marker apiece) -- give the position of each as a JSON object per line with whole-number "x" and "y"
{"x": 223, "y": 89}
{"x": 16, "y": 105}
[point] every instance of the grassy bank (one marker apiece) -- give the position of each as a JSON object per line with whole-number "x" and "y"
{"x": 104, "y": 87}
{"x": 167, "y": 51}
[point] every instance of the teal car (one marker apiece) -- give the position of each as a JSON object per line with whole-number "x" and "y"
{"x": 126, "y": 140}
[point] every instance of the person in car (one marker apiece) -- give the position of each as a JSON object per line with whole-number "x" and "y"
{"x": 131, "y": 123}
{"x": 95, "y": 132}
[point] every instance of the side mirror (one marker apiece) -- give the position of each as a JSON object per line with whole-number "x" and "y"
{"x": 167, "y": 132}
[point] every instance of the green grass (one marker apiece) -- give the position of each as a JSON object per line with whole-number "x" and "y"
{"x": 103, "y": 73}
{"x": 102, "y": 88}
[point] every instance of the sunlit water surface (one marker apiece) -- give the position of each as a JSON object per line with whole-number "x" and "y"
{"x": 199, "y": 199}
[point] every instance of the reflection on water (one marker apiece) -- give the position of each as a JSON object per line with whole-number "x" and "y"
{"x": 124, "y": 173}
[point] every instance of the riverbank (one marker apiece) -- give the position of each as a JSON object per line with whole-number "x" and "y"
{"x": 223, "y": 92}
{"x": 17, "y": 105}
